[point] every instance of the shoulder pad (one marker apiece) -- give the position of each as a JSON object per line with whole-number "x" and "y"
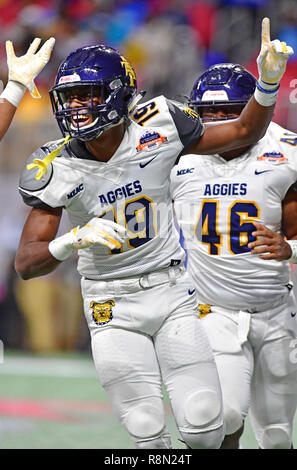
{"x": 144, "y": 112}
{"x": 28, "y": 182}
{"x": 189, "y": 112}
{"x": 159, "y": 100}
{"x": 176, "y": 103}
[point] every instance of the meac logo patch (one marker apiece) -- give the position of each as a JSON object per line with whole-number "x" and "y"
{"x": 75, "y": 191}
{"x": 184, "y": 171}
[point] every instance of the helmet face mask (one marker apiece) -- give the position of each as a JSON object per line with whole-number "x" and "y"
{"x": 222, "y": 91}
{"x": 94, "y": 89}
{"x": 219, "y": 111}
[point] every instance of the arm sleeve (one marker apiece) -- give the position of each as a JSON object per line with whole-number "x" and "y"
{"x": 187, "y": 123}
{"x": 294, "y": 187}
{"x": 34, "y": 201}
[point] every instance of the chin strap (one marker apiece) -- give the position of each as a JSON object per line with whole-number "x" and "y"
{"x": 43, "y": 164}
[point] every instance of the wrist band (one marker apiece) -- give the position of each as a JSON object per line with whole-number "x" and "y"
{"x": 13, "y": 92}
{"x": 293, "y": 245}
{"x": 267, "y": 90}
{"x": 266, "y": 93}
{"x": 61, "y": 247}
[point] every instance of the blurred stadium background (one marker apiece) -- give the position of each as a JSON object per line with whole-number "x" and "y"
{"x": 49, "y": 394}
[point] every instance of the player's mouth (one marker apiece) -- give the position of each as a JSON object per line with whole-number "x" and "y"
{"x": 79, "y": 120}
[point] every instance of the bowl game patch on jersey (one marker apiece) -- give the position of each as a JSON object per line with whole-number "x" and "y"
{"x": 151, "y": 140}
{"x": 272, "y": 157}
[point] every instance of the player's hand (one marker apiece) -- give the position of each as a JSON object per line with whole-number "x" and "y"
{"x": 25, "y": 69}
{"x": 270, "y": 244}
{"x": 273, "y": 56}
{"x": 98, "y": 232}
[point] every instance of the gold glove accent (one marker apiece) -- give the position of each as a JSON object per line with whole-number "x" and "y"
{"x": 106, "y": 235}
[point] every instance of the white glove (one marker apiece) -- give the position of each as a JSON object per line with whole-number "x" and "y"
{"x": 25, "y": 69}
{"x": 273, "y": 56}
{"x": 96, "y": 232}
{"x": 271, "y": 64}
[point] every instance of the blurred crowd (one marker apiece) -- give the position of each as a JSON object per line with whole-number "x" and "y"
{"x": 169, "y": 43}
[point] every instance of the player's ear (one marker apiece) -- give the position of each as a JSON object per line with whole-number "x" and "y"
{"x": 111, "y": 303}
{"x": 92, "y": 304}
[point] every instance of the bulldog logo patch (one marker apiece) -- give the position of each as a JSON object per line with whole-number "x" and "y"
{"x": 102, "y": 313}
{"x": 204, "y": 310}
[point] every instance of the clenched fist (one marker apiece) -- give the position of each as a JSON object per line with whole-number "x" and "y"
{"x": 97, "y": 231}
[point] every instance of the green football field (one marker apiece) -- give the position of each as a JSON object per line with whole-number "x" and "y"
{"x": 58, "y": 403}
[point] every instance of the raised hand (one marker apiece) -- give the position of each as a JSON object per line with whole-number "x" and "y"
{"x": 25, "y": 69}
{"x": 273, "y": 56}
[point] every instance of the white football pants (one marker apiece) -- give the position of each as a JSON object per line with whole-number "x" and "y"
{"x": 151, "y": 334}
{"x": 256, "y": 357}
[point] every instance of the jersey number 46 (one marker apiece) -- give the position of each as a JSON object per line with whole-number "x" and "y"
{"x": 241, "y": 215}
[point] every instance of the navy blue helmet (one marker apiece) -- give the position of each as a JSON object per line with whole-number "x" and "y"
{"x": 106, "y": 84}
{"x": 222, "y": 85}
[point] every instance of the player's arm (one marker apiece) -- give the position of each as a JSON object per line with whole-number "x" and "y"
{"x": 39, "y": 252}
{"x": 273, "y": 243}
{"x": 257, "y": 114}
{"x": 33, "y": 257}
{"x": 7, "y": 111}
{"x": 21, "y": 74}
{"x": 243, "y": 131}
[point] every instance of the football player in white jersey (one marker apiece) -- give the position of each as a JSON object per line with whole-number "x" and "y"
{"x": 233, "y": 209}
{"x": 21, "y": 74}
{"x": 112, "y": 175}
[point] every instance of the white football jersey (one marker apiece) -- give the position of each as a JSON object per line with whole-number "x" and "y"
{"x": 216, "y": 202}
{"x": 132, "y": 189}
